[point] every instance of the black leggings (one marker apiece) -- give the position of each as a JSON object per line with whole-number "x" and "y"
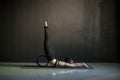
{"x": 48, "y": 51}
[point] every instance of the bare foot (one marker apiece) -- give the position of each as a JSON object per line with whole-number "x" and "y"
{"x": 46, "y": 25}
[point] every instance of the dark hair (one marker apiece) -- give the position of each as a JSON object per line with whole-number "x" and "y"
{"x": 67, "y": 59}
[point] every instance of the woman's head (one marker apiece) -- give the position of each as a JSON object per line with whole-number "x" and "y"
{"x": 68, "y": 60}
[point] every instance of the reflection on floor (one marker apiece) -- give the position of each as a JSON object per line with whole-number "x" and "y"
{"x": 101, "y": 71}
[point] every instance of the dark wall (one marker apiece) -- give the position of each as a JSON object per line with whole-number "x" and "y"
{"x": 82, "y": 29}
{"x": 108, "y": 38}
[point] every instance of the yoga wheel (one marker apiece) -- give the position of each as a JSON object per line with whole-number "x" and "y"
{"x": 42, "y": 61}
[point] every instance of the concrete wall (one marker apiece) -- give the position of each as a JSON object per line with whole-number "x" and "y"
{"x": 82, "y": 29}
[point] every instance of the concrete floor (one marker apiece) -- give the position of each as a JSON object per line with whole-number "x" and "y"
{"x": 101, "y": 71}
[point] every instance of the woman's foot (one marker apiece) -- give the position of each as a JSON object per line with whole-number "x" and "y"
{"x": 46, "y": 25}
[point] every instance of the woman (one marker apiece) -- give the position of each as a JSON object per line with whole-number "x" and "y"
{"x": 51, "y": 55}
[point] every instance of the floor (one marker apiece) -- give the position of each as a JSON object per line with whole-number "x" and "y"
{"x": 101, "y": 71}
